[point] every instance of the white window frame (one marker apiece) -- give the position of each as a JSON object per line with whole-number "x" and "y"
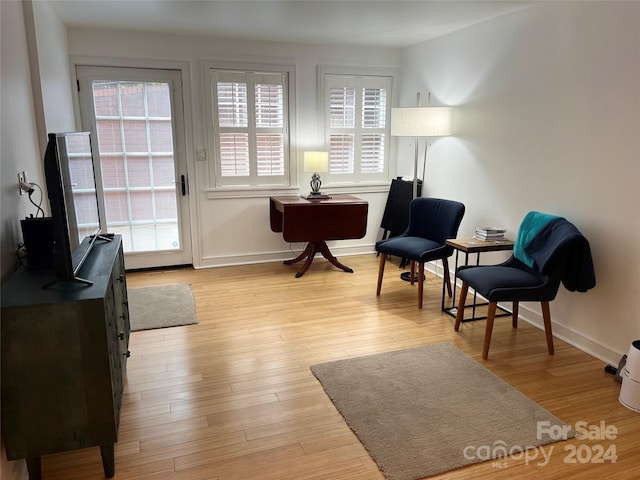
{"x": 251, "y": 185}
{"x": 367, "y": 76}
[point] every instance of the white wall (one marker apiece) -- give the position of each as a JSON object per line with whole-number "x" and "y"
{"x": 548, "y": 118}
{"x": 55, "y": 83}
{"x": 36, "y": 99}
{"x": 234, "y": 231}
{"x": 19, "y": 151}
{"x": 29, "y": 110}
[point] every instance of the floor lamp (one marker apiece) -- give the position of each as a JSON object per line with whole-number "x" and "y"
{"x": 420, "y": 122}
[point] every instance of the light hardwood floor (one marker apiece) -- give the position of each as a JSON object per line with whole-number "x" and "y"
{"x": 233, "y": 397}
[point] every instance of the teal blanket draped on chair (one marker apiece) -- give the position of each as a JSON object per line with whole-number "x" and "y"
{"x": 532, "y": 224}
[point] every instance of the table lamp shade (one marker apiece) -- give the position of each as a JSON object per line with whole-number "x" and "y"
{"x": 421, "y": 121}
{"x": 316, "y": 161}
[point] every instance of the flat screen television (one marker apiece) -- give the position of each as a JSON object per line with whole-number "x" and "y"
{"x": 70, "y": 171}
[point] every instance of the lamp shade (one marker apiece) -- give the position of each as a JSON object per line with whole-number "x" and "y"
{"x": 316, "y": 161}
{"x": 421, "y": 121}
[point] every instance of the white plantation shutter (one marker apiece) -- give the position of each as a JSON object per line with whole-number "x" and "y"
{"x": 341, "y": 153}
{"x": 269, "y": 108}
{"x": 234, "y": 154}
{"x": 232, "y": 104}
{"x": 250, "y": 123}
{"x": 342, "y": 107}
{"x": 270, "y": 154}
{"x": 372, "y": 154}
{"x": 374, "y": 108}
{"x": 269, "y": 105}
{"x": 357, "y": 126}
{"x": 342, "y": 120}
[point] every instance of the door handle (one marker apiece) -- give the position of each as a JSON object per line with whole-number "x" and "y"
{"x": 183, "y": 183}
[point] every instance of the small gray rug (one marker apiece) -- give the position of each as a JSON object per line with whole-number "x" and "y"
{"x": 161, "y": 306}
{"x": 428, "y": 410}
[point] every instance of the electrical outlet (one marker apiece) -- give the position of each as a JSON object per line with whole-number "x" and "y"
{"x": 23, "y": 183}
{"x": 22, "y": 178}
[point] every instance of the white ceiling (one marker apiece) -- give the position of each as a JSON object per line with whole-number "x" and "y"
{"x": 390, "y": 23}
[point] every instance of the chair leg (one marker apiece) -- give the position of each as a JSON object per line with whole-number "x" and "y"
{"x": 420, "y": 283}
{"x": 546, "y": 316}
{"x": 447, "y": 277}
{"x": 413, "y": 272}
{"x": 461, "y": 302}
{"x": 491, "y": 316}
{"x": 514, "y": 315}
{"x": 383, "y": 260}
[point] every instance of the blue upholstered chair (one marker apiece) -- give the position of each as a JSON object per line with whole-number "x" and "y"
{"x": 431, "y": 222}
{"x": 548, "y": 250}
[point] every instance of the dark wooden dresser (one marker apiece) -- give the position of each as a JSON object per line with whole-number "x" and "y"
{"x": 64, "y": 354}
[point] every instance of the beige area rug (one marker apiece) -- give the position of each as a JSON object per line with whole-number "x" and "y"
{"x": 161, "y": 306}
{"x": 431, "y": 409}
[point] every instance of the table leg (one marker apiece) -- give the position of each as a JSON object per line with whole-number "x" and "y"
{"x": 310, "y": 252}
{"x": 34, "y": 468}
{"x": 108, "y": 460}
{"x": 310, "y": 256}
{"x": 303, "y": 255}
{"x": 452, "y": 292}
{"x": 475, "y": 294}
{"x": 324, "y": 250}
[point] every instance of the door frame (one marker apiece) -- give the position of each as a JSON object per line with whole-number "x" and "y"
{"x": 183, "y": 67}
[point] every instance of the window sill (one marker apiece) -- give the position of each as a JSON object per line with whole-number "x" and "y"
{"x": 252, "y": 192}
{"x": 356, "y": 188}
{"x": 265, "y": 192}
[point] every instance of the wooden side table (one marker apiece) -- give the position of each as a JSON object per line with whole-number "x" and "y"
{"x": 470, "y": 246}
{"x": 340, "y": 217}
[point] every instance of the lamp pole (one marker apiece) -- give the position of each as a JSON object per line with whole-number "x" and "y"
{"x": 415, "y": 160}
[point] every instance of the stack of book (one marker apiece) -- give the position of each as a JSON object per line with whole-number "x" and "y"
{"x": 489, "y": 233}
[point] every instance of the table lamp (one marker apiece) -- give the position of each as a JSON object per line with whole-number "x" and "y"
{"x": 316, "y": 162}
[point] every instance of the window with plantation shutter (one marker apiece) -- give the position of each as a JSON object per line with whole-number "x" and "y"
{"x": 357, "y": 110}
{"x": 250, "y": 127}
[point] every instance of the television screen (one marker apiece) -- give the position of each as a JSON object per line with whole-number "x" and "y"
{"x": 79, "y": 186}
{"x": 73, "y": 196}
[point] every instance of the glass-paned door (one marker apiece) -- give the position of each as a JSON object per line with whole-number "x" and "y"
{"x": 137, "y": 120}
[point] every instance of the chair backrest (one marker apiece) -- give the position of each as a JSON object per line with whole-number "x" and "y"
{"x": 434, "y": 218}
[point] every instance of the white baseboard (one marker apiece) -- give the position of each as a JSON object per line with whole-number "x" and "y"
{"x": 278, "y": 256}
{"x": 572, "y": 337}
